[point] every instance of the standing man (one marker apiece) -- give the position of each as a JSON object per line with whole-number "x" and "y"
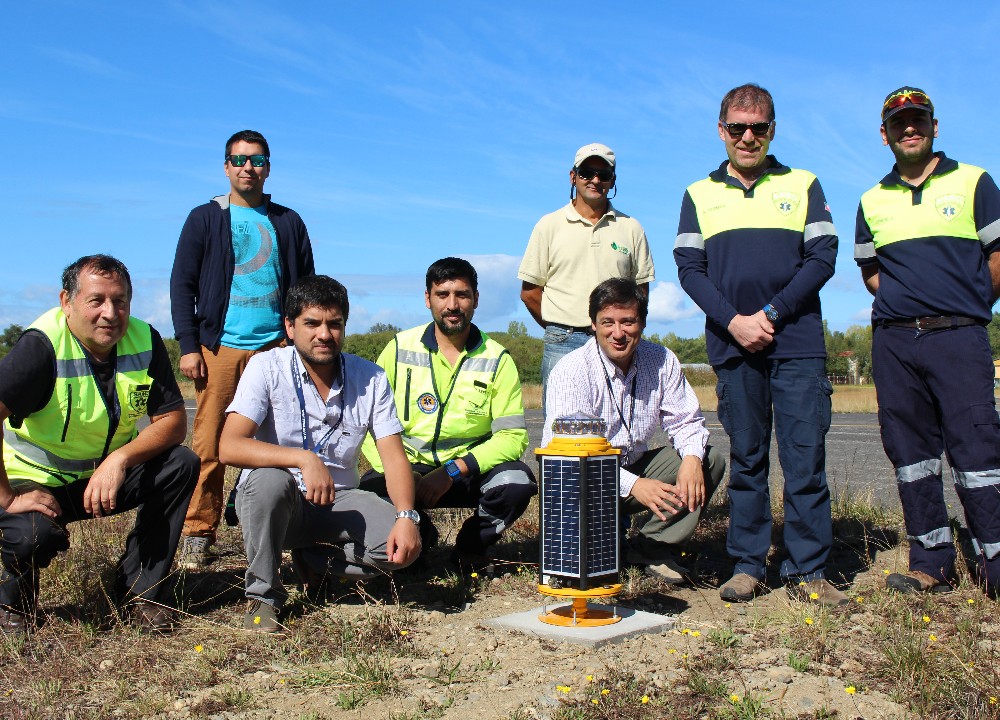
{"x": 576, "y": 247}
{"x": 754, "y": 246}
{"x": 459, "y": 397}
{"x": 71, "y": 392}
{"x": 296, "y": 426}
{"x": 236, "y": 258}
{"x": 637, "y": 388}
{"x": 927, "y": 242}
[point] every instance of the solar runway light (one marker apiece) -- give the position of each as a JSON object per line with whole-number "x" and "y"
{"x": 579, "y": 520}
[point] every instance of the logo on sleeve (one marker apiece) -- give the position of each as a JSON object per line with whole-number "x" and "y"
{"x": 138, "y": 401}
{"x": 427, "y": 403}
{"x": 950, "y": 206}
{"x": 785, "y": 202}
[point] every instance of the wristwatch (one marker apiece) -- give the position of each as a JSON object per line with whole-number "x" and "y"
{"x": 770, "y": 313}
{"x": 451, "y": 467}
{"x": 409, "y": 515}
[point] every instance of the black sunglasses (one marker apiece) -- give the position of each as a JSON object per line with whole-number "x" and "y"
{"x": 738, "y": 130}
{"x": 241, "y": 160}
{"x": 604, "y": 175}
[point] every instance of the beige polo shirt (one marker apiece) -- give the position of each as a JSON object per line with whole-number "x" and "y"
{"x": 570, "y": 256}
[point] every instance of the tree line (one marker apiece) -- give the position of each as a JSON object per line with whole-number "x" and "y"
{"x": 848, "y": 351}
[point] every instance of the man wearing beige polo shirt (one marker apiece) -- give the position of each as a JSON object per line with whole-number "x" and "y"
{"x": 574, "y": 249}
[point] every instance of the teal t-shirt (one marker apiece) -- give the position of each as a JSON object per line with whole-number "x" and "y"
{"x": 254, "y": 315}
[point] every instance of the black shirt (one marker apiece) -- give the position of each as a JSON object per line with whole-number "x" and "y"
{"x": 28, "y": 376}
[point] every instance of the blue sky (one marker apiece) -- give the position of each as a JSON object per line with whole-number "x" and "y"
{"x": 404, "y": 132}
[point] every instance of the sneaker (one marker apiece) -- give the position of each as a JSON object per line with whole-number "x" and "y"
{"x": 669, "y": 572}
{"x": 915, "y": 581}
{"x": 13, "y": 624}
{"x": 151, "y": 617}
{"x": 819, "y": 591}
{"x": 194, "y": 553}
{"x": 262, "y": 617}
{"x": 740, "y": 588}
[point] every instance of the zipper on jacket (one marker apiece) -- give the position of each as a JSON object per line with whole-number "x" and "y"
{"x": 69, "y": 409}
{"x": 406, "y": 404}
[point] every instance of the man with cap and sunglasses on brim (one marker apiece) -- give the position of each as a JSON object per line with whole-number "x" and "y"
{"x": 755, "y": 243}
{"x": 926, "y": 241}
{"x": 577, "y": 247}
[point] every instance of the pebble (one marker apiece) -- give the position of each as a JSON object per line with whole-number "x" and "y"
{"x": 107, "y": 664}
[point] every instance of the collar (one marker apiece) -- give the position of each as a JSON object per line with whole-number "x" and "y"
{"x": 945, "y": 165}
{"x": 572, "y": 215}
{"x": 474, "y": 340}
{"x": 773, "y": 168}
{"x": 339, "y": 370}
{"x": 223, "y": 200}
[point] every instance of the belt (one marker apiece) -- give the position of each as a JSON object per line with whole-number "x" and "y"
{"x": 588, "y": 330}
{"x": 947, "y": 322}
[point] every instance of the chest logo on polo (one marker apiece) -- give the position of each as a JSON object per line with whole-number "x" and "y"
{"x": 620, "y": 248}
{"x": 785, "y": 202}
{"x": 950, "y": 206}
{"x": 138, "y": 401}
{"x": 427, "y": 403}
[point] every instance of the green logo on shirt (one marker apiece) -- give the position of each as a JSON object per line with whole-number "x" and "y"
{"x": 623, "y": 250}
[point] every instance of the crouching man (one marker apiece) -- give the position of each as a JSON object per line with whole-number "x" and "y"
{"x": 296, "y": 425}
{"x": 71, "y": 392}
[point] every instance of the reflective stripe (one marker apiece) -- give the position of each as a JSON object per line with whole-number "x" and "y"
{"x": 977, "y": 478}
{"x": 990, "y": 550}
{"x": 941, "y": 536}
{"x": 72, "y": 368}
{"x": 136, "y": 362}
{"x": 412, "y": 357}
{"x": 416, "y": 443}
{"x": 989, "y": 233}
{"x": 508, "y": 422}
{"x": 420, "y": 445}
{"x": 817, "y": 229}
{"x": 507, "y": 477}
{"x": 918, "y": 471}
{"x": 691, "y": 240}
{"x": 41, "y": 456}
{"x": 485, "y": 365}
{"x": 864, "y": 251}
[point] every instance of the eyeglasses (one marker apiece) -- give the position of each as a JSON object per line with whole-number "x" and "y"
{"x": 239, "y": 161}
{"x": 910, "y": 96}
{"x": 604, "y": 175}
{"x": 738, "y": 130}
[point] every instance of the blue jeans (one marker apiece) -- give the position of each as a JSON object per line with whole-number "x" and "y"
{"x": 799, "y": 393}
{"x": 558, "y": 342}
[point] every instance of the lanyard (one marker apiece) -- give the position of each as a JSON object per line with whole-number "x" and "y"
{"x": 620, "y": 408}
{"x": 297, "y": 379}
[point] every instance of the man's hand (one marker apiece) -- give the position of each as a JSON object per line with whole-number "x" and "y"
{"x": 41, "y": 501}
{"x": 403, "y": 544}
{"x": 316, "y": 476}
{"x": 432, "y": 486}
{"x": 691, "y": 482}
{"x": 658, "y": 496}
{"x": 753, "y": 332}
{"x": 192, "y": 366}
{"x": 101, "y": 495}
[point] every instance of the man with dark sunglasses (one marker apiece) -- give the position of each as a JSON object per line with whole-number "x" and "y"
{"x": 236, "y": 258}
{"x": 927, "y": 242}
{"x": 574, "y": 249}
{"x": 755, "y": 244}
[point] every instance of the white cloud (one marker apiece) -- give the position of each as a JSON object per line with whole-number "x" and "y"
{"x": 668, "y": 303}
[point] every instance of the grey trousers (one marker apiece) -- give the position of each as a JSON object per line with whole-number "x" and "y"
{"x": 349, "y": 535}
{"x": 657, "y": 537}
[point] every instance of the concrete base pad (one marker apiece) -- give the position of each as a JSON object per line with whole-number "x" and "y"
{"x": 632, "y": 623}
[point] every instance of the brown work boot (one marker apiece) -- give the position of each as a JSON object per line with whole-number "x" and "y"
{"x": 13, "y": 624}
{"x": 915, "y": 581}
{"x": 151, "y": 617}
{"x": 740, "y": 588}
{"x": 262, "y": 617}
{"x": 819, "y": 591}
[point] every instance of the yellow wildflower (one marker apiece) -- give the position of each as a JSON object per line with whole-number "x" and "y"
{"x": 605, "y": 691}
{"x": 645, "y": 699}
{"x": 814, "y": 596}
{"x": 563, "y": 688}
{"x": 590, "y": 678}
{"x": 695, "y": 633}
{"x": 734, "y": 698}
{"x": 993, "y": 700}
{"x": 595, "y": 701}
{"x": 885, "y": 572}
{"x": 474, "y": 575}
{"x": 927, "y": 618}
{"x": 685, "y": 631}
{"x": 198, "y": 648}
{"x": 256, "y": 620}
{"x": 671, "y": 651}
{"x": 809, "y": 621}
{"x": 932, "y": 638}
{"x": 850, "y": 689}
{"x": 404, "y": 632}
{"x": 859, "y": 599}
{"x": 971, "y": 601}
{"x": 729, "y": 604}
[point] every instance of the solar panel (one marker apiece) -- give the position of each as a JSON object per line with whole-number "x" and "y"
{"x": 579, "y": 518}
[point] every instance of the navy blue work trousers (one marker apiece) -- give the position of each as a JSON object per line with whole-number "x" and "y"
{"x": 935, "y": 394}
{"x": 795, "y": 395}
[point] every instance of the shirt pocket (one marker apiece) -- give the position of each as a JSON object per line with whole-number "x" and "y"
{"x": 345, "y": 445}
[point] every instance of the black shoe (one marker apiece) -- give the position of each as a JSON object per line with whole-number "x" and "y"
{"x": 151, "y": 617}
{"x": 13, "y": 624}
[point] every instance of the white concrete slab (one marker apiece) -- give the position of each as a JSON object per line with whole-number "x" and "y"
{"x": 632, "y": 623}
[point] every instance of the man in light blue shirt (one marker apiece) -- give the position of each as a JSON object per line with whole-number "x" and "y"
{"x": 296, "y": 426}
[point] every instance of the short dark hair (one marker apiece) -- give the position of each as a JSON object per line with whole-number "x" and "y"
{"x": 618, "y": 292}
{"x": 99, "y": 265}
{"x": 452, "y": 268}
{"x": 320, "y": 291}
{"x": 750, "y": 96}
{"x": 247, "y": 136}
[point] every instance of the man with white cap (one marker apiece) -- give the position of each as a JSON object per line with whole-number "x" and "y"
{"x": 577, "y": 247}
